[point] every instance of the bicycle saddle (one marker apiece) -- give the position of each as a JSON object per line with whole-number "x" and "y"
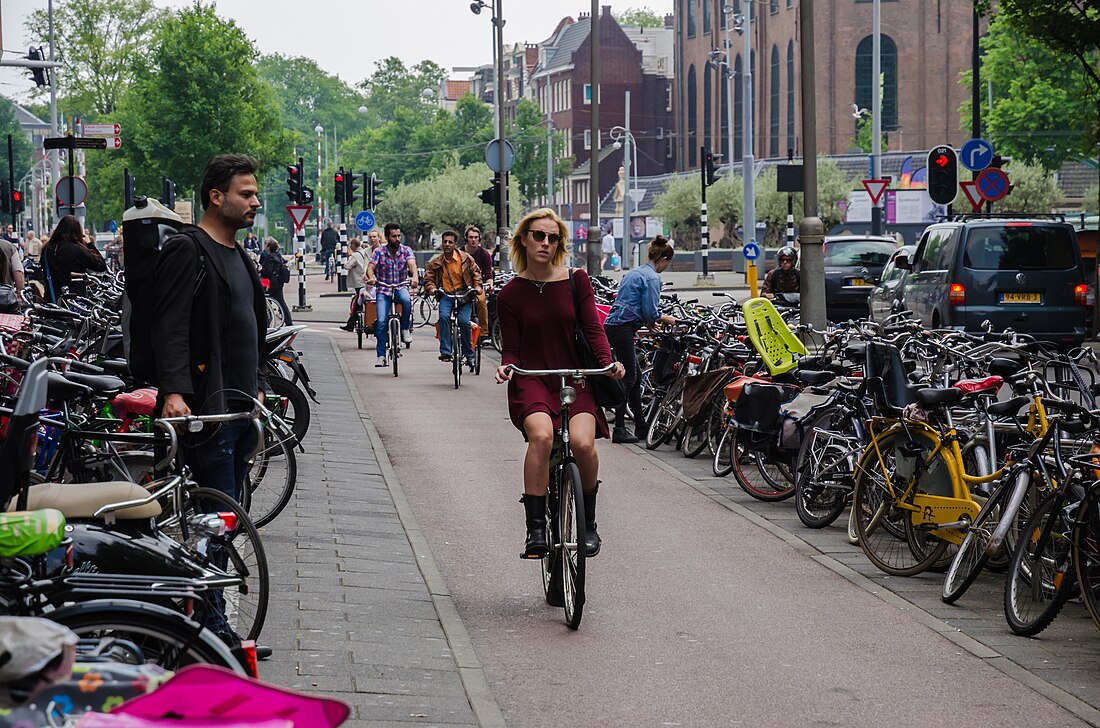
{"x": 82, "y": 500}
{"x": 1005, "y": 367}
{"x": 938, "y": 397}
{"x": 976, "y": 386}
{"x": 138, "y": 402}
{"x": 61, "y": 387}
{"x": 101, "y": 384}
{"x": 815, "y": 377}
{"x": 118, "y": 367}
{"x": 1008, "y": 407}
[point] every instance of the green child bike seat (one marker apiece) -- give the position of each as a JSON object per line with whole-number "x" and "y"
{"x": 29, "y": 533}
{"x": 771, "y": 337}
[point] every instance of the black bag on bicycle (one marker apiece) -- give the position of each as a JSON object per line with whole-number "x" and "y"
{"x": 756, "y": 413}
{"x": 609, "y": 392}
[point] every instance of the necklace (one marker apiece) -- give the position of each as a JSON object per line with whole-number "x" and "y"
{"x": 539, "y": 284}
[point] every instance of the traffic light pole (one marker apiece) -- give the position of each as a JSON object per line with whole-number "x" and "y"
{"x": 342, "y": 256}
{"x": 300, "y": 256}
{"x": 11, "y": 176}
{"x": 704, "y": 228}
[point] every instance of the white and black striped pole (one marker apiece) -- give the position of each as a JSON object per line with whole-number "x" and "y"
{"x": 704, "y": 229}
{"x": 341, "y": 256}
{"x": 300, "y": 256}
{"x": 790, "y": 205}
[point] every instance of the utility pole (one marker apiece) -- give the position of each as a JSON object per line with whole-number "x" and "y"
{"x": 625, "y": 258}
{"x": 727, "y": 11}
{"x": 811, "y": 231}
{"x": 549, "y": 159}
{"x": 502, "y": 193}
{"x": 876, "y": 112}
{"x": 748, "y": 216}
{"x": 55, "y": 160}
{"x": 592, "y": 247}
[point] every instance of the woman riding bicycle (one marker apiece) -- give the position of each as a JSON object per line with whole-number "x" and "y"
{"x": 537, "y": 320}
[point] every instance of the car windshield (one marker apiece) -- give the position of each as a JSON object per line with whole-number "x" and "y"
{"x": 1020, "y": 247}
{"x": 858, "y": 252}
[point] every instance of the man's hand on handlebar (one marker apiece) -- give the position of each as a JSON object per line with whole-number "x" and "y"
{"x": 174, "y": 406}
{"x": 504, "y": 374}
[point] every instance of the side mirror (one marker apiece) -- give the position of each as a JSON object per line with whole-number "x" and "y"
{"x": 901, "y": 262}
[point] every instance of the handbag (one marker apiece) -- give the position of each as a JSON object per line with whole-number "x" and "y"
{"x": 609, "y": 392}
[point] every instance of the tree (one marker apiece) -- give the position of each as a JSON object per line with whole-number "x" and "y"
{"x": 1034, "y": 189}
{"x": 679, "y": 206}
{"x": 199, "y": 95}
{"x": 833, "y": 185}
{"x": 639, "y": 17}
{"x": 1090, "y": 201}
{"x": 21, "y": 145}
{"x": 528, "y": 136}
{"x": 307, "y": 96}
{"x": 99, "y": 43}
{"x": 865, "y": 134}
{"x": 393, "y": 86}
{"x": 1042, "y": 111}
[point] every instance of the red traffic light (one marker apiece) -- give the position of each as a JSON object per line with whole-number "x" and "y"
{"x": 292, "y": 171}
{"x": 339, "y": 178}
{"x": 17, "y": 196}
{"x": 941, "y": 161}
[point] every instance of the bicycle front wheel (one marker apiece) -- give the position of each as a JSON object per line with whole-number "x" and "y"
{"x": 1086, "y": 553}
{"x": 271, "y": 479}
{"x": 572, "y": 531}
{"x": 972, "y": 555}
{"x": 1039, "y": 580}
{"x": 722, "y": 462}
{"x": 456, "y": 353}
{"x": 395, "y": 341}
{"x": 758, "y": 476}
{"x": 292, "y": 405}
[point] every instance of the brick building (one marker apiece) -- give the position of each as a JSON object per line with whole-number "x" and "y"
{"x": 925, "y": 46}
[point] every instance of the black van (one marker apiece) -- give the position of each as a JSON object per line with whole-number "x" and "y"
{"x": 1020, "y": 274}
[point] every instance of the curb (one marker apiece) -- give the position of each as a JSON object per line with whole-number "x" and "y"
{"x": 469, "y": 667}
{"x": 983, "y": 652}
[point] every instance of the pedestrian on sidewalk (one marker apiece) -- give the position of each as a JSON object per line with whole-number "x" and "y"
{"x": 538, "y": 317}
{"x": 329, "y": 240}
{"x": 356, "y": 267}
{"x": 453, "y": 271}
{"x": 273, "y": 267}
{"x": 607, "y": 247}
{"x": 390, "y": 266}
{"x": 636, "y": 305}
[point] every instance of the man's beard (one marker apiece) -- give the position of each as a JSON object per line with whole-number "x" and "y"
{"x": 238, "y": 221}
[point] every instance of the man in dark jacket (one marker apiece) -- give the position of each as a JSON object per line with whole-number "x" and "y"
{"x": 329, "y": 240}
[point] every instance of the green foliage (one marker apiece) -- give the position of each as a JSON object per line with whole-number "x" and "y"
{"x": 1090, "y": 201}
{"x": 679, "y": 206}
{"x": 865, "y": 135}
{"x": 1070, "y": 27}
{"x": 528, "y": 136}
{"x": 21, "y": 145}
{"x": 307, "y": 96}
{"x": 198, "y": 96}
{"x": 1034, "y": 189}
{"x": 833, "y": 185}
{"x": 1042, "y": 111}
{"x": 640, "y": 17}
{"x": 99, "y": 43}
{"x": 394, "y": 86}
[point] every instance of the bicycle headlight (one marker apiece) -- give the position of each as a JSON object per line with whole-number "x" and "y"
{"x": 568, "y": 395}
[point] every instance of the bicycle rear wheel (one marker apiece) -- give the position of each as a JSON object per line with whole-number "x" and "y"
{"x": 971, "y": 557}
{"x": 1039, "y": 580}
{"x": 572, "y": 531}
{"x": 359, "y": 327}
{"x": 394, "y": 341}
{"x": 722, "y": 462}
{"x": 271, "y": 479}
{"x": 292, "y": 405}
{"x": 759, "y": 477}
{"x": 1086, "y": 553}
{"x": 667, "y": 416}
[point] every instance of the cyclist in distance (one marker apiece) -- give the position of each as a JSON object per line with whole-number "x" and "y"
{"x": 635, "y": 306}
{"x": 484, "y": 260}
{"x": 389, "y": 267}
{"x": 784, "y": 277}
{"x": 453, "y": 271}
{"x": 537, "y": 320}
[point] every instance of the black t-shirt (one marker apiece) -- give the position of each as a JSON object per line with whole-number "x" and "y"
{"x": 242, "y": 359}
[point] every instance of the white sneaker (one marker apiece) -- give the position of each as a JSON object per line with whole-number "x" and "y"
{"x": 381, "y": 362}
{"x": 406, "y": 336}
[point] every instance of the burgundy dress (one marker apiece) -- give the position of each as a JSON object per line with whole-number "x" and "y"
{"x": 537, "y": 333}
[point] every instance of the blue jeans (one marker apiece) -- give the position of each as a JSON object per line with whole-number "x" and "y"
{"x": 446, "y": 346}
{"x": 382, "y": 311}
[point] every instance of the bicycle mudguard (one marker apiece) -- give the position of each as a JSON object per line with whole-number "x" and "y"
{"x": 937, "y": 509}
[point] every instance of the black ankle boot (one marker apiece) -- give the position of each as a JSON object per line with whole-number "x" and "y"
{"x": 535, "y": 506}
{"x": 591, "y": 538}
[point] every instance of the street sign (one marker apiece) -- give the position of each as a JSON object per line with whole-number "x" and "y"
{"x": 970, "y": 189}
{"x": 104, "y": 130}
{"x": 492, "y": 155}
{"x": 875, "y": 188}
{"x": 299, "y": 214}
{"x": 365, "y": 220}
{"x": 90, "y": 143}
{"x": 976, "y": 154}
{"x": 993, "y": 184}
{"x": 113, "y": 142}
{"x": 113, "y": 226}
{"x": 79, "y": 188}
{"x": 751, "y": 251}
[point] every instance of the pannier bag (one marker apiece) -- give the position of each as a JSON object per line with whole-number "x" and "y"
{"x": 700, "y": 389}
{"x": 757, "y": 409}
{"x": 798, "y": 414}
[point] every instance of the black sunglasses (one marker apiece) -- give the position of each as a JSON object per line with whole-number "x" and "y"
{"x": 540, "y": 235}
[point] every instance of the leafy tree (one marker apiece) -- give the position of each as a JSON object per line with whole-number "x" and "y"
{"x": 1042, "y": 111}
{"x": 640, "y": 17}
{"x": 724, "y": 203}
{"x": 394, "y": 86}
{"x": 198, "y": 95}
{"x": 99, "y": 43}
{"x": 679, "y": 206}
{"x": 1090, "y": 201}
{"x": 529, "y": 138}
{"x": 865, "y": 135}
{"x": 307, "y": 96}
{"x": 21, "y": 145}
{"x": 833, "y": 185}
{"x": 1034, "y": 189}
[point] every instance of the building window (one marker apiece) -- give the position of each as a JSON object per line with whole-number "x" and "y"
{"x": 668, "y": 97}
{"x": 587, "y": 138}
{"x": 738, "y": 110}
{"x": 864, "y": 83}
{"x": 790, "y": 94}
{"x": 708, "y": 110}
{"x": 723, "y": 123}
{"x": 588, "y": 94}
{"x": 660, "y": 132}
{"x": 706, "y": 15}
{"x": 773, "y": 115}
{"x": 693, "y": 120}
{"x": 691, "y": 17}
{"x": 722, "y": 14}
{"x": 773, "y": 7}
{"x": 790, "y": 4}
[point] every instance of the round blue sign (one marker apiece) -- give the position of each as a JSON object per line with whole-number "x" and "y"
{"x": 751, "y": 251}
{"x": 993, "y": 184}
{"x": 976, "y": 154}
{"x": 113, "y": 226}
{"x": 364, "y": 220}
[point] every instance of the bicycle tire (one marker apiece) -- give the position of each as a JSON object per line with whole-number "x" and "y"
{"x": 359, "y": 327}
{"x": 1030, "y": 604}
{"x": 456, "y": 350}
{"x": 572, "y": 553}
{"x": 766, "y": 487}
{"x": 496, "y": 337}
{"x": 425, "y": 310}
{"x": 972, "y": 555}
{"x": 394, "y": 341}
{"x": 819, "y": 505}
{"x": 477, "y": 358}
{"x": 695, "y": 441}
{"x": 722, "y": 462}
{"x": 244, "y": 552}
{"x": 666, "y": 417}
{"x": 885, "y": 532}
{"x": 295, "y": 410}
{"x": 1086, "y": 553}
{"x": 268, "y": 493}
{"x": 182, "y": 640}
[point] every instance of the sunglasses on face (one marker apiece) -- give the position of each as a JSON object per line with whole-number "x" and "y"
{"x": 540, "y": 235}
{"x": 786, "y": 260}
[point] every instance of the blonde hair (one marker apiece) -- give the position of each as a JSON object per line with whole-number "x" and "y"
{"x": 518, "y": 254}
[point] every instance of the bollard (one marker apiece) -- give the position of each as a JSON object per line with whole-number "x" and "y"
{"x": 750, "y": 279}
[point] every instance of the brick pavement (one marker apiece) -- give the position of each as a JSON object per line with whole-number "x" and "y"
{"x": 358, "y": 610}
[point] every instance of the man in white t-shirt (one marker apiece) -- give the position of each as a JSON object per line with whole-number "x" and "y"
{"x": 607, "y": 247}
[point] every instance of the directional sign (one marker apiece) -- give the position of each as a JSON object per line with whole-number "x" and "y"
{"x": 114, "y": 142}
{"x": 751, "y": 251}
{"x": 113, "y": 226}
{"x": 79, "y": 188}
{"x": 106, "y": 130}
{"x": 365, "y": 220}
{"x": 492, "y": 155}
{"x": 875, "y": 188}
{"x": 976, "y": 154}
{"x": 299, "y": 214}
{"x": 970, "y": 189}
{"x": 993, "y": 184}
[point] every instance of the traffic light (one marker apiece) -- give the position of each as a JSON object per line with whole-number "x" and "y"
{"x": 5, "y": 197}
{"x": 17, "y": 204}
{"x": 128, "y": 184}
{"x": 490, "y": 195}
{"x": 168, "y": 193}
{"x": 998, "y": 161}
{"x": 307, "y": 196}
{"x": 340, "y": 188}
{"x": 294, "y": 187}
{"x": 373, "y": 191}
{"x": 708, "y": 167}
{"x": 943, "y": 175}
{"x": 351, "y": 189}
{"x": 40, "y": 75}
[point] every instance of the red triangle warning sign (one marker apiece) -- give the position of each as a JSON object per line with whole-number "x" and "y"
{"x": 875, "y": 188}
{"x": 299, "y": 214}
{"x": 970, "y": 189}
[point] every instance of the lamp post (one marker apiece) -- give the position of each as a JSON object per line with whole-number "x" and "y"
{"x": 624, "y": 140}
{"x": 727, "y": 70}
{"x": 497, "y": 7}
{"x": 743, "y": 25}
{"x": 320, "y": 130}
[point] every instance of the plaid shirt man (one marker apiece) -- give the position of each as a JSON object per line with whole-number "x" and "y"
{"x": 391, "y": 270}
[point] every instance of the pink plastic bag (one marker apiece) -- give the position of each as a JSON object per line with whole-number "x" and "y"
{"x": 112, "y": 720}
{"x": 205, "y": 695}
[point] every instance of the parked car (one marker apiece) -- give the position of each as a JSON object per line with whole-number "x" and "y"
{"x": 853, "y": 264}
{"x": 1023, "y": 274}
{"x": 883, "y": 299}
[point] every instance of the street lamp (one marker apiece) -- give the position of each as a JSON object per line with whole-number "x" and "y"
{"x": 619, "y": 136}
{"x": 498, "y": 103}
{"x": 742, "y": 23}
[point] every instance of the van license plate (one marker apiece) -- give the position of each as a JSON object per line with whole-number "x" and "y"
{"x": 1021, "y": 298}
{"x": 857, "y": 282}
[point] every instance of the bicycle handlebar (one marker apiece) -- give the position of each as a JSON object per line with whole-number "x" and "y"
{"x": 578, "y": 373}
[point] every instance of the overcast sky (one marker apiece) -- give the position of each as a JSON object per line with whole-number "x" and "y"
{"x": 347, "y": 37}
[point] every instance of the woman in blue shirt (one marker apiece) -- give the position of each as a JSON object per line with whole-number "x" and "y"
{"x": 636, "y": 306}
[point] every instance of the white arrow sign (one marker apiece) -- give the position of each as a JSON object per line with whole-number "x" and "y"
{"x": 107, "y": 130}
{"x": 114, "y": 143}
